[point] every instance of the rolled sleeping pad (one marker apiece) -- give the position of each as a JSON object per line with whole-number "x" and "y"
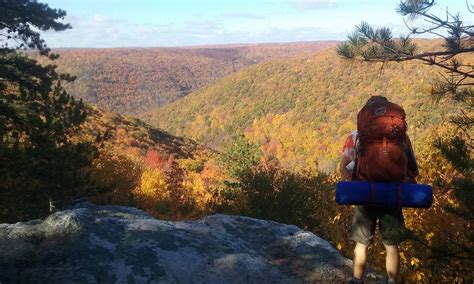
{"x": 383, "y": 194}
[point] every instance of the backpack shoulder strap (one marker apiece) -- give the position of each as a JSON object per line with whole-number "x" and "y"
{"x": 355, "y": 170}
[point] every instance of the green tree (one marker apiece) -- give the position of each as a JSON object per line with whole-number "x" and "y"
{"x": 271, "y": 192}
{"x": 240, "y": 156}
{"x": 456, "y": 83}
{"x": 39, "y": 161}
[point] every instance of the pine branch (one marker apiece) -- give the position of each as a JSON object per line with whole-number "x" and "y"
{"x": 408, "y": 57}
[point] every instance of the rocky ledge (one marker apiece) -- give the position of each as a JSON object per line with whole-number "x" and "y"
{"x": 113, "y": 244}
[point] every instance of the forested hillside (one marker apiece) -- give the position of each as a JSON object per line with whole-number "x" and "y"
{"x": 301, "y": 110}
{"x": 132, "y": 80}
{"x": 137, "y": 165}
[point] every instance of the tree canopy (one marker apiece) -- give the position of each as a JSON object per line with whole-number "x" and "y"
{"x": 20, "y": 20}
{"x": 39, "y": 162}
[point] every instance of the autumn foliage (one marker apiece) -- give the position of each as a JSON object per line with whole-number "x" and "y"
{"x": 291, "y": 117}
{"x": 134, "y": 80}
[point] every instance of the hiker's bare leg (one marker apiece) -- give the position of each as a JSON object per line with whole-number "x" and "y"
{"x": 360, "y": 260}
{"x": 392, "y": 262}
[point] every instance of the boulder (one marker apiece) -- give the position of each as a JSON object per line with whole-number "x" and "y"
{"x": 113, "y": 244}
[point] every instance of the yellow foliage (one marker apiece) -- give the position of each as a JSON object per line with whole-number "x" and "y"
{"x": 420, "y": 276}
{"x": 429, "y": 237}
{"x": 195, "y": 189}
{"x": 336, "y": 218}
{"x": 117, "y": 173}
{"x": 152, "y": 184}
{"x": 403, "y": 258}
{"x": 152, "y": 190}
{"x": 415, "y": 262}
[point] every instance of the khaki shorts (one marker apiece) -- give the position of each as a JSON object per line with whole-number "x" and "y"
{"x": 391, "y": 225}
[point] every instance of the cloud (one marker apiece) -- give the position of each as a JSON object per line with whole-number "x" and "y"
{"x": 102, "y": 32}
{"x": 313, "y": 4}
{"x": 91, "y": 31}
{"x": 242, "y": 15}
{"x": 297, "y": 34}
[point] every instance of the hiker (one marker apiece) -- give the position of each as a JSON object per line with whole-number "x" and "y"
{"x": 381, "y": 151}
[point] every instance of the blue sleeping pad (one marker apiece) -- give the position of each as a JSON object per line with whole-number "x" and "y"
{"x": 383, "y": 194}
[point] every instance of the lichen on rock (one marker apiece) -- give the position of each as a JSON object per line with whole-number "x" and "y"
{"x": 91, "y": 243}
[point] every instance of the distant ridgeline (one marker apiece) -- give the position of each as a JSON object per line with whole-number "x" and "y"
{"x": 302, "y": 110}
{"x": 132, "y": 80}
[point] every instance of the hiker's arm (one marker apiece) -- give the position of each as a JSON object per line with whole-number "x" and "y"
{"x": 346, "y": 174}
{"x": 347, "y": 155}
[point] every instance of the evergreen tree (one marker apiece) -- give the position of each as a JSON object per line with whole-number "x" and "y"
{"x": 457, "y": 80}
{"x": 240, "y": 156}
{"x": 40, "y": 163}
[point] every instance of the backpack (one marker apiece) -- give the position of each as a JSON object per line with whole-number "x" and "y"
{"x": 381, "y": 155}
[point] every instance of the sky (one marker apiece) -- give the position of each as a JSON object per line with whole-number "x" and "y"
{"x": 166, "y": 23}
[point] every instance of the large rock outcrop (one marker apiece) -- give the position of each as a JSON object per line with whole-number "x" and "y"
{"x": 112, "y": 244}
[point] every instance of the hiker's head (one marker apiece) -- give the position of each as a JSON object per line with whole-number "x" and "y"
{"x": 374, "y": 99}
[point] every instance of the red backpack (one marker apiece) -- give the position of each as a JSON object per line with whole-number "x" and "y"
{"x": 381, "y": 154}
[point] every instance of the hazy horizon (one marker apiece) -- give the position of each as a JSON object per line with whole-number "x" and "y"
{"x": 211, "y": 45}
{"x": 182, "y": 23}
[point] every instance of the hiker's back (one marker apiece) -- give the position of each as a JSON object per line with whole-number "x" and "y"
{"x": 382, "y": 138}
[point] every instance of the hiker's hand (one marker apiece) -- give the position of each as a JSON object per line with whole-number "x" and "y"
{"x": 346, "y": 174}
